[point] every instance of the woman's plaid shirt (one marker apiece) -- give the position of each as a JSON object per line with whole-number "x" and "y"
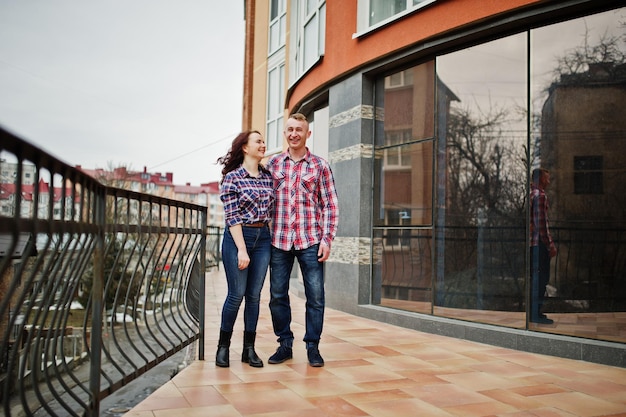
{"x": 306, "y": 207}
{"x": 246, "y": 199}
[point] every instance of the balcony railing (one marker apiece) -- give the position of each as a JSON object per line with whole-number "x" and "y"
{"x": 98, "y": 285}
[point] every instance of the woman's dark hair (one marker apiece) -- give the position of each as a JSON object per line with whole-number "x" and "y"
{"x": 234, "y": 156}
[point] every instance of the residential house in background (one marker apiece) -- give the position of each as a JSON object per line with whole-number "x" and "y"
{"x": 8, "y": 173}
{"x": 204, "y": 195}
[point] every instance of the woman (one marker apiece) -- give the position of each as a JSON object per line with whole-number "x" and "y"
{"x": 246, "y": 190}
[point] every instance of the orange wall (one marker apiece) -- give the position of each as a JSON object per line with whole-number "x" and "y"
{"x": 343, "y": 53}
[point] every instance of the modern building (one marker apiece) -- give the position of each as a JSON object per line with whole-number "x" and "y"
{"x": 433, "y": 115}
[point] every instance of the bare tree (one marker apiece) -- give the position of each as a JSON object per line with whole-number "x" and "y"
{"x": 486, "y": 164}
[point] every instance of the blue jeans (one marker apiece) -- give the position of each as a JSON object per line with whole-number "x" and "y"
{"x": 248, "y": 282}
{"x": 313, "y": 276}
{"x": 540, "y": 276}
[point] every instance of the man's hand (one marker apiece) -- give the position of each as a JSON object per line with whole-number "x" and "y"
{"x": 552, "y": 250}
{"x": 323, "y": 253}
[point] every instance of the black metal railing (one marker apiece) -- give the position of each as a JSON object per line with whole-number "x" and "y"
{"x": 98, "y": 284}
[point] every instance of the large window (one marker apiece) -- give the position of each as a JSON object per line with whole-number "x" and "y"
{"x": 310, "y": 34}
{"x": 403, "y": 199}
{"x": 374, "y": 13}
{"x": 278, "y": 19}
{"x": 275, "y": 93}
{"x": 588, "y": 174}
{"x": 452, "y": 178}
{"x": 481, "y": 242}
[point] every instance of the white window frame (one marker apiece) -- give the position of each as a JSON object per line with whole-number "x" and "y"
{"x": 275, "y": 107}
{"x": 308, "y": 35}
{"x": 364, "y": 11}
{"x": 277, "y": 26}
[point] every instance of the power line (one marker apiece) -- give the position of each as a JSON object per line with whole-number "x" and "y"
{"x": 193, "y": 151}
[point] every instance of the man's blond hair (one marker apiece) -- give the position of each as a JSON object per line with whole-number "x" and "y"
{"x": 299, "y": 117}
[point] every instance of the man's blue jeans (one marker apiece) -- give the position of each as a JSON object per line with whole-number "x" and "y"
{"x": 540, "y": 276}
{"x": 248, "y": 282}
{"x": 313, "y": 276}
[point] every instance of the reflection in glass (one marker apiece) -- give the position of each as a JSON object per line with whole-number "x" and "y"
{"x": 468, "y": 256}
{"x": 403, "y": 269}
{"x": 403, "y": 195}
{"x": 403, "y": 185}
{"x": 578, "y": 71}
{"x": 409, "y": 97}
{"x": 481, "y": 181}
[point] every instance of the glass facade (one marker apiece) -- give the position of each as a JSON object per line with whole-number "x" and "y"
{"x": 458, "y": 138}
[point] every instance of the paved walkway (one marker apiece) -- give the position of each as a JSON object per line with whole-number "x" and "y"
{"x": 376, "y": 369}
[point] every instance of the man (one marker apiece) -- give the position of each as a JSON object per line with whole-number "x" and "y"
{"x": 304, "y": 226}
{"x": 542, "y": 247}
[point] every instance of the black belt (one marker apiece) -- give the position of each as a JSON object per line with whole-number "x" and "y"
{"x": 257, "y": 224}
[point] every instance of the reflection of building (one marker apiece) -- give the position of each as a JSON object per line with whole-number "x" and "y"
{"x": 409, "y": 195}
{"x": 583, "y": 145}
{"x": 584, "y": 127}
{"x": 422, "y": 107}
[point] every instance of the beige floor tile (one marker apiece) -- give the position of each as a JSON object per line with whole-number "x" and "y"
{"x": 277, "y": 400}
{"x": 379, "y": 370}
{"x": 580, "y": 404}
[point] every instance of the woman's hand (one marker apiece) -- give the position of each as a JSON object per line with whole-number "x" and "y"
{"x": 243, "y": 260}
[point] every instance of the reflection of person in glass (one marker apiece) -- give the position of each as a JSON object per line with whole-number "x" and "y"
{"x": 542, "y": 247}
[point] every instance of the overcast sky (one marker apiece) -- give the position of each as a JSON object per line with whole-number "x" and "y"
{"x": 154, "y": 83}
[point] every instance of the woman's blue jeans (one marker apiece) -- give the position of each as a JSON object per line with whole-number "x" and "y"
{"x": 313, "y": 277}
{"x": 248, "y": 282}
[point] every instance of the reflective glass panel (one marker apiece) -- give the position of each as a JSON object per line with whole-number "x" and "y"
{"x": 403, "y": 269}
{"x": 403, "y": 184}
{"x": 578, "y": 84}
{"x": 481, "y": 183}
{"x": 409, "y": 98}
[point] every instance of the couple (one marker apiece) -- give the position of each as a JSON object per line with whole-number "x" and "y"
{"x": 294, "y": 195}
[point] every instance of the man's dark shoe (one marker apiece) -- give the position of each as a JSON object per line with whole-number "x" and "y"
{"x": 542, "y": 320}
{"x": 315, "y": 359}
{"x": 282, "y": 354}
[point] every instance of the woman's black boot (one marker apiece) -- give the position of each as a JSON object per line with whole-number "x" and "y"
{"x": 249, "y": 355}
{"x": 222, "y": 358}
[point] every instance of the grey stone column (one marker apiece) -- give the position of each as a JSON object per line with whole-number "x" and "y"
{"x": 351, "y": 126}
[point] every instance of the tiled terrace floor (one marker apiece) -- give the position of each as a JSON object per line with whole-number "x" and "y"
{"x": 376, "y": 369}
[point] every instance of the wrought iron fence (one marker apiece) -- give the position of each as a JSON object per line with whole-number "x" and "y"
{"x": 98, "y": 284}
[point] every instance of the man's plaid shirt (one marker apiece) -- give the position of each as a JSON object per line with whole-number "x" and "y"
{"x": 539, "y": 224}
{"x": 306, "y": 208}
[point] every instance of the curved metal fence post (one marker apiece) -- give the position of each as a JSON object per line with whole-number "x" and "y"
{"x": 202, "y": 288}
{"x": 97, "y": 292}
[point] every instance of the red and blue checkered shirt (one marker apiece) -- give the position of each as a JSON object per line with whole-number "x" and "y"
{"x": 247, "y": 199}
{"x": 306, "y": 207}
{"x": 539, "y": 224}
